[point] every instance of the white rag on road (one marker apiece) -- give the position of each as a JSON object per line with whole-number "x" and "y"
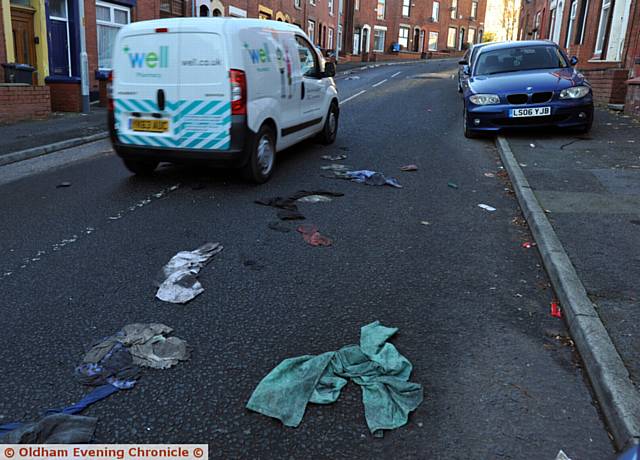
{"x": 180, "y": 283}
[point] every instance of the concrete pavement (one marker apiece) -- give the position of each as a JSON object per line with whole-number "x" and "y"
{"x": 589, "y": 189}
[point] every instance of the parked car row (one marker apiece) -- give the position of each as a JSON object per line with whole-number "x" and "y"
{"x": 522, "y": 84}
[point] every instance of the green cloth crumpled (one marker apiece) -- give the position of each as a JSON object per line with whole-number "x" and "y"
{"x": 375, "y": 365}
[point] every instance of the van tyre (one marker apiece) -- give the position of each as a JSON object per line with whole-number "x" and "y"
{"x": 330, "y": 130}
{"x": 140, "y": 167}
{"x": 262, "y": 155}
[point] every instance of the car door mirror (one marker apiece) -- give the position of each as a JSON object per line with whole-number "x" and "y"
{"x": 463, "y": 62}
{"x": 573, "y": 61}
{"x": 329, "y": 69}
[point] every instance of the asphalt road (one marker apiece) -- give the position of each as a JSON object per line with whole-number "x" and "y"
{"x": 471, "y": 304}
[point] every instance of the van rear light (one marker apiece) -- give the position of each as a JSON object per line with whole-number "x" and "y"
{"x": 238, "y": 92}
{"x": 110, "y": 92}
{"x": 160, "y": 30}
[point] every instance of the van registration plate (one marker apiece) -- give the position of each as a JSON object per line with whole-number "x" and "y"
{"x": 531, "y": 112}
{"x": 151, "y": 126}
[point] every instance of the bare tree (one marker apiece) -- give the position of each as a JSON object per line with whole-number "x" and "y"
{"x": 509, "y": 18}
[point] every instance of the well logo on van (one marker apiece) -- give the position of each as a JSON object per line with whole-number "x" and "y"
{"x": 258, "y": 55}
{"x": 149, "y": 59}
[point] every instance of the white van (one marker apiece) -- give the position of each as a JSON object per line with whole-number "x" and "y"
{"x": 227, "y": 91}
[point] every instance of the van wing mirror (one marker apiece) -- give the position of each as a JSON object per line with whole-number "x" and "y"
{"x": 329, "y": 69}
{"x": 463, "y": 62}
{"x": 466, "y": 70}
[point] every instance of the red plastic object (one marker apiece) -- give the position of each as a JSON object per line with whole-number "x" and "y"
{"x": 528, "y": 245}
{"x": 556, "y": 312}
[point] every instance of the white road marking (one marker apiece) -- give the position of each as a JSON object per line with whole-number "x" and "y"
{"x": 396, "y": 74}
{"x": 353, "y": 97}
{"x": 379, "y": 83}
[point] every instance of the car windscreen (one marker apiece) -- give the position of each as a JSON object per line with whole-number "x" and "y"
{"x": 519, "y": 58}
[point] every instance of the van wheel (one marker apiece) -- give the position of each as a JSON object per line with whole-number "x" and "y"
{"x": 328, "y": 134}
{"x": 140, "y": 167}
{"x": 262, "y": 156}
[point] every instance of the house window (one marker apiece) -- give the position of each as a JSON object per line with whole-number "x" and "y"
{"x": 330, "y": 6}
{"x": 582, "y": 22}
{"x": 536, "y": 26}
{"x": 435, "y": 11}
{"x": 403, "y": 37}
{"x": 471, "y": 36}
{"x": 474, "y": 10}
{"x": 297, "y": 4}
{"x": 454, "y": 9}
{"x": 357, "y": 5}
{"x": 572, "y": 20}
{"x": 109, "y": 19}
{"x": 339, "y": 37}
{"x": 602, "y": 26}
{"x": 311, "y": 30}
{"x": 380, "y": 9}
{"x": 433, "y": 41}
{"x": 451, "y": 37}
{"x": 406, "y": 8}
{"x": 312, "y": 2}
{"x": 378, "y": 40}
{"x": 330, "y": 44}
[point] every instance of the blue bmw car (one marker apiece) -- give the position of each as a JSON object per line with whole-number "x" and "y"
{"x": 525, "y": 84}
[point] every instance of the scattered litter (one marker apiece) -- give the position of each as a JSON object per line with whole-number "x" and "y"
{"x": 314, "y": 199}
{"x": 486, "y": 207}
{"x": 375, "y": 365}
{"x": 287, "y": 205}
{"x": 180, "y": 283}
{"x": 353, "y": 77}
{"x": 411, "y": 167}
{"x": 55, "y": 428}
{"x": 452, "y": 185}
{"x": 425, "y": 222}
{"x": 556, "y": 312}
{"x": 528, "y": 245}
{"x": 253, "y": 265}
{"x": 312, "y": 236}
{"x": 562, "y": 456}
{"x": 533, "y": 146}
{"x": 428, "y": 110}
{"x": 342, "y": 156}
{"x": 524, "y": 165}
{"x": 488, "y": 174}
{"x": 63, "y": 184}
{"x": 368, "y": 177}
{"x": 279, "y": 227}
{"x": 336, "y": 167}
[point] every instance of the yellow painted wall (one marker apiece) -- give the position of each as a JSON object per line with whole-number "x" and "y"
{"x": 42, "y": 48}
{"x": 8, "y": 35}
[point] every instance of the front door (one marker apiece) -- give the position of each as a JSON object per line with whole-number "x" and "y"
{"x": 59, "y": 48}
{"x": 416, "y": 40}
{"x": 312, "y": 90}
{"x": 356, "y": 42}
{"x": 23, "y": 36}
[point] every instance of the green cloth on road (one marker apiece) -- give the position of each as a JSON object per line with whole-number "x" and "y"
{"x": 377, "y": 366}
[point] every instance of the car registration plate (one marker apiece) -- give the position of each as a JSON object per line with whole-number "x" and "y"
{"x": 151, "y": 126}
{"x": 531, "y": 112}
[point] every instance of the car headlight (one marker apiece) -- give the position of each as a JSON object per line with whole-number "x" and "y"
{"x": 575, "y": 92}
{"x": 485, "y": 99}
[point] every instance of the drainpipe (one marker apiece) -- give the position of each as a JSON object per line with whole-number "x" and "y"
{"x": 84, "y": 60}
{"x": 335, "y": 36}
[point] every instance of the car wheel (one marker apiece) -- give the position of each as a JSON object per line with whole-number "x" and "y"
{"x": 330, "y": 130}
{"x": 468, "y": 133}
{"x": 262, "y": 156}
{"x": 140, "y": 167}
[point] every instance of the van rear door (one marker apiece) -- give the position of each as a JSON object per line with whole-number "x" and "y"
{"x": 171, "y": 86}
{"x": 204, "y": 118}
{"x": 145, "y": 87}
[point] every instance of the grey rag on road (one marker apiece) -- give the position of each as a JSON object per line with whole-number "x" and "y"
{"x": 179, "y": 282}
{"x": 376, "y": 365}
{"x": 53, "y": 429}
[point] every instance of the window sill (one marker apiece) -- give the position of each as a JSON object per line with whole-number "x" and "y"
{"x": 602, "y": 61}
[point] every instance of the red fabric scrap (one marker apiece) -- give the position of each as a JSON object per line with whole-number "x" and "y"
{"x": 556, "y": 312}
{"x": 313, "y": 237}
